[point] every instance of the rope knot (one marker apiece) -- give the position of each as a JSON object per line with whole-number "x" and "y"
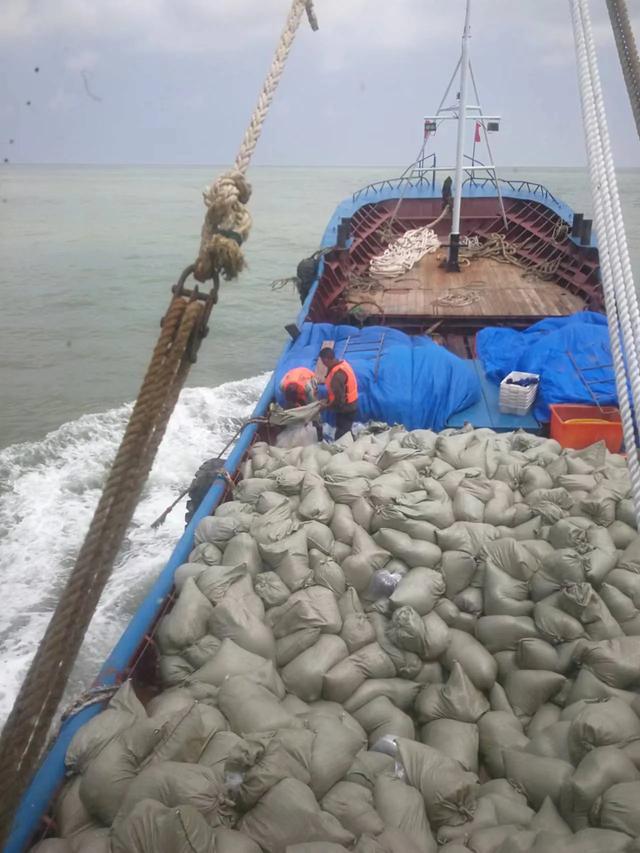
{"x": 226, "y": 226}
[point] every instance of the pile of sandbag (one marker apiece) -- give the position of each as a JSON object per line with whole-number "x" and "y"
{"x": 402, "y": 643}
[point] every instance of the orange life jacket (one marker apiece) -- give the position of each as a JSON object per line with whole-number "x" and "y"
{"x": 351, "y": 387}
{"x": 298, "y": 377}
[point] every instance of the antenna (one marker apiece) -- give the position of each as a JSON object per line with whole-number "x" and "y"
{"x": 454, "y": 239}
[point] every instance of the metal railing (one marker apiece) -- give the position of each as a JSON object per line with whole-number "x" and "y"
{"x": 427, "y": 180}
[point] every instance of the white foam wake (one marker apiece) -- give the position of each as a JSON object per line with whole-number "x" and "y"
{"x": 48, "y": 491}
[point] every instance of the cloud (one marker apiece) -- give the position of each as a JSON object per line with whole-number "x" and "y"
{"x": 83, "y": 60}
{"x": 347, "y": 27}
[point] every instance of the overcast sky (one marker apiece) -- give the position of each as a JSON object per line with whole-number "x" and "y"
{"x": 174, "y": 81}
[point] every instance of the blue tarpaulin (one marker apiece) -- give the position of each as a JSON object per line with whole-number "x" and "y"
{"x": 552, "y": 348}
{"x": 401, "y": 378}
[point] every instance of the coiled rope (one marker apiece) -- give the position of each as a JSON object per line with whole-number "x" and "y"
{"x": 227, "y": 221}
{"x": 406, "y": 251}
{"x": 184, "y": 325}
{"x": 617, "y": 278}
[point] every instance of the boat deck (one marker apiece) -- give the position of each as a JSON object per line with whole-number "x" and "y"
{"x": 484, "y": 287}
{"x": 486, "y": 412}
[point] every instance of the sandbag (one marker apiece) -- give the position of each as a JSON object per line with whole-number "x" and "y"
{"x": 458, "y": 740}
{"x": 534, "y": 653}
{"x": 596, "y": 773}
{"x": 528, "y": 689}
{"x": 152, "y": 827}
{"x": 320, "y": 537}
{"x": 401, "y": 692}
{"x": 187, "y": 570}
{"x": 401, "y": 806}
{"x": 357, "y": 631}
{"x": 316, "y": 504}
{"x": 538, "y": 777}
{"x": 249, "y": 489}
{"x": 337, "y": 741}
{"x": 458, "y": 569}
{"x": 466, "y": 536}
{"x": 548, "y": 819}
{"x": 243, "y": 549}
{"x": 304, "y": 675}
{"x": 352, "y": 805}
{"x": 499, "y": 730}
{"x": 615, "y": 661}
{"x": 231, "y": 659}
{"x": 552, "y": 742}
{"x": 275, "y": 524}
{"x": 70, "y": 814}
{"x": 187, "y": 621}
{"x": 414, "y": 552}
{"x": 583, "y": 602}
{"x": 367, "y": 766}
{"x": 271, "y": 588}
{"x": 610, "y": 722}
{"x": 206, "y": 553}
{"x": 289, "y": 814}
{"x": 458, "y": 699}
{"x": 123, "y": 711}
{"x": 476, "y": 661}
{"x": 343, "y": 679}
{"x": 504, "y": 595}
{"x": 109, "y": 774}
{"x": 380, "y": 719}
{"x": 448, "y": 791}
{"x": 314, "y": 607}
{"x": 428, "y": 636}
{"x": 234, "y": 620}
{"x": 289, "y": 558}
{"x": 367, "y": 556}
{"x": 617, "y": 809}
{"x": 174, "y": 784}
{"x": 289, "y": 647}
{"x": 252, "y": 707}
{"x": 342, "y": 523}
{"x": 553, "y": 624}
{"x": 504, "y": 633}
{"x": 220, "y": 529}
{"x": 420, "y": 589}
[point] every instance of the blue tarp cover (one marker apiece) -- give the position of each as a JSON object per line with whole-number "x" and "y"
{"x": 544, "y": 348}
{"x": 407, "y": 380}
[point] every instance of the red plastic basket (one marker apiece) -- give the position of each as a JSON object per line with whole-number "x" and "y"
{"x": 579, "y": 426}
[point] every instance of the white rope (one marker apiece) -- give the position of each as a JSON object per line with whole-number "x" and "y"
{"x": 227, "y": 196}
{"x": 620, "y": 304}
{"x": 406, "y": 251}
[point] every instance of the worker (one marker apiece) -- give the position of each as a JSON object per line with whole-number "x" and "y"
{"x": 342, "y": 390}
{"x": 447, "y": 192}
{"x": 299, "y": 386}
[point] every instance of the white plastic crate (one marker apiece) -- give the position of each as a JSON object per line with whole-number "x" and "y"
{"x": 518, "y": 399}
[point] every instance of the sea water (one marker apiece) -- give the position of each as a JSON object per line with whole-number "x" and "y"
{"x": 87, "y": 257}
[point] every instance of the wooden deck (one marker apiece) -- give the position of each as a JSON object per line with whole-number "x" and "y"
{"x": 485, "y": 287}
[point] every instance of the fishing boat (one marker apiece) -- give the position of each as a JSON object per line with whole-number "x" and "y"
{"x": 410, "y": 273}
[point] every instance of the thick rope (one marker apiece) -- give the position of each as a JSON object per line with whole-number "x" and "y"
{"x": 26, "y": 729}
{"x": 404, "y": 252}
{"x": 227, "y": 225}
{"x": 628, "y": 53}
{"x": 611, "y": 238}
{"x": 227, "y": 222}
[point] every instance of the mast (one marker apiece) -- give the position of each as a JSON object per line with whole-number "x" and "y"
{"x": 454, "y": 239}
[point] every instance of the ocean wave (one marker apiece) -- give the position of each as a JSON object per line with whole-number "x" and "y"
{"x": 48, "y": 493}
